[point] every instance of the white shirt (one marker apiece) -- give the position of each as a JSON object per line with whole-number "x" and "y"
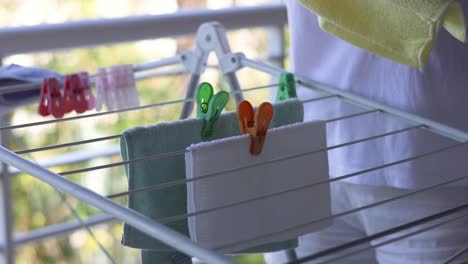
{"x": 438, "y": 92}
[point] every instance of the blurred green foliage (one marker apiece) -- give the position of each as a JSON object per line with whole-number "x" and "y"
{"x": 37, "y": 205}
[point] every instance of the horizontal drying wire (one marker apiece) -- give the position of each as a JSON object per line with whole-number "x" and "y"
{"x": 267, "y": 196}
{"x": 137, "y": 69}
{"x": 354, "y": 174}
{"x": 99, "y": 139}
{"x": 64, "y": 145}
{"x": 93, "y": 115}
{"x": 122, "y": 110}
{"x": 184, "y": 181}
{"x": 175, "y": 153}
{"x": 87, "y": 141}
{"x": 456, "y": 255}
{"x": 179, "y": 217}
{"x": 385, "y": 233}
{"x": 352, "y": 115}
{"x": 354, "y": 210}
{"x": 25, "y": 151}
{"x": 168, "y": 220}
{"x": 185, "y": 216}
{"x": 389, "y": 241}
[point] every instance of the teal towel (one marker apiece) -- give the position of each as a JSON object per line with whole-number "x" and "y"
{"x": 161, "y": 138}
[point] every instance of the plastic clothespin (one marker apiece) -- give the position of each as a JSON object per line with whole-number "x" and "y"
{"x": 104, "y": 90}
{"x": 68, "y": 94}
{"x": 286, "y": 87}
{"x": 43, "y": 108}
{"x": 74, "y": 94}
{"x": 209, "y": 106}
{"x": 51, "y": 101}
{"x": 116, "y": 81}
{"x": 127, "y": 86}
{"x": 134, "y": 98}
{"x": 254, "y": 124}
{"x": 101, "y": 88}
{"x": 87, "y": 92}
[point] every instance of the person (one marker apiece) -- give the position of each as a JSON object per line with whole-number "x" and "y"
{"x": 438, "y": 91}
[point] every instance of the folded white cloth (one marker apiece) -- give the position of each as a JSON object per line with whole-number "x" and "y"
{"x": 271, "y": 218}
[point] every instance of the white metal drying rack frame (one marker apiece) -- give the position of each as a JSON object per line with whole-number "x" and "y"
{"x": 211, "y": 37}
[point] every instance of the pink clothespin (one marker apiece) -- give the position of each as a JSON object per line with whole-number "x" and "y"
{"x": 51, "y": 101}
{"x": 122, "y": 82}
{"x": 116, "y": 82}
{"x": 129, "y": 86}
{"x": 101, "y": 89}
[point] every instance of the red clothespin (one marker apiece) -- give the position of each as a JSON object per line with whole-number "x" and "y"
{"x": 255, "y": 126}
{"x": 51, "y": 101}
{"x": 87, "y": 91}
{"x": 74, "y": 94}
{"x": 43, "y": 108}
{"x": 68, "y": 93}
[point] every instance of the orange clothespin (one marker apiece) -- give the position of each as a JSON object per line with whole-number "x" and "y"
{"x": 255, "y": 126}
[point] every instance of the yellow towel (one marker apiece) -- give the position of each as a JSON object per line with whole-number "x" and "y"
{"x": 401, "y": 30}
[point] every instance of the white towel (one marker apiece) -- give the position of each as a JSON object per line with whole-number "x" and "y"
{"x": 250, "y": 224}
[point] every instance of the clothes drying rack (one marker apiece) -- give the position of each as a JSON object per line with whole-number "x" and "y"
{"x": 211, "y": 37}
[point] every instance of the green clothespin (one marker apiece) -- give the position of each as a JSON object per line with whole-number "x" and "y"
{"x": 286, "y": 87}
{"x": 209, "y": 106}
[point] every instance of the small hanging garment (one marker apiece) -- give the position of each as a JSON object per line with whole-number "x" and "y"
{"x": 15, "y": 75}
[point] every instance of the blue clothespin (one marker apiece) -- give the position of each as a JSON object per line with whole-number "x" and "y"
{"x": 209, "y": 106}
{"x": 286, "y": 87}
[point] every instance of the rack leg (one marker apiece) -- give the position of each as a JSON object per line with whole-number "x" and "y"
{"x": 6, "y": 226}
{"x": 191, "y": 87}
